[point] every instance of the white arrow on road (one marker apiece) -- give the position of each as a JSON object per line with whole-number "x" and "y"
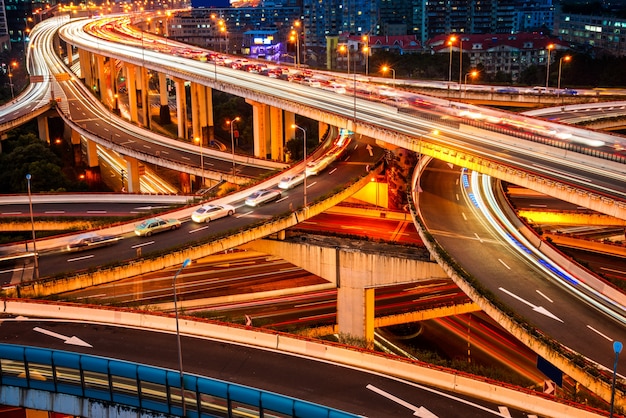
{"x": 67, "y": 340}
{"x": 420, "y": 412}
{"x": 539, "y": 309}
{"x": 369, "y": 149}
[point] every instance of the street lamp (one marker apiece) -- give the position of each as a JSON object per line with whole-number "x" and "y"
{"x": 393, "y": 73}
{"x": 472, "y": 73}
{"x": 199, "y": 141}
{"x": 304, "y": 158}
{"x": 345, "y": 49}
{"x": 180, "y": 351}
{"x": 232, "y": 139}
{"x": 617, "y": 348}
{"x": 14, "y": 65}
{"x": 296, "y": 33}
{"x": 451, "y": 41}
{"x": 366, "y": 51}
{"x": 550, "y": 48}
{"x": 566, "y": 58}
{"x": 32, "y": 225}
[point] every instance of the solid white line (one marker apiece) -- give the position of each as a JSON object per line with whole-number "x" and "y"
{"x": 142, "y": 244}
{"x": 547, "y": 298}
{"x": 244, "y": 214}
{"x": 504, "y": 264}
{"x": 199, "y": 229}
{"x": 80, "y": 258}
{"x": 11, "y": 213}
{"x": 599, "y": 333}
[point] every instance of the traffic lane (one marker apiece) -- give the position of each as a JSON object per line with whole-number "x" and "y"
{"x": 610, "y": 266}
{"x": 388, "y": 229}
{"x": 514, "y": 281}
{"x": 131, "y": 247}
{"x": 304, "y": 378}
{"x": 82, "y": 209}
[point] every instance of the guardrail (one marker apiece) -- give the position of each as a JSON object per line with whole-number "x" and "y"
{"x": 142, "y": 387}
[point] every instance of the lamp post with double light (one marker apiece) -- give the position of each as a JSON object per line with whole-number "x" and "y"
{"x": 12, "y": 65}
{"x": 366, "y": 52}
{"x": 232, "y": 139}
{"x": 451, "y": 41}
{"x": 566, "y": 58}
{"x": 344, "y": 49}
{"x": 32, "y": 225}
{"x": 304, "y": 158}
{"x": 549, "y": 48}
{"x": 179, "y": 347}
{"x": 385, "y": 69}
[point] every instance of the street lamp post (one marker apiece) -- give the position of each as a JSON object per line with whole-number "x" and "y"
{"x": 180, "y": 351}
{"x": 472, "y": 73}
{"x": 199, "y": 141}
{"x": 550, "y": 48}
{"x": 366, "y": 51}
{"x": 232, "y": 140}
{"x": 393, "y": 74}
{"x": 451, "y": 41}
{"x": 11, "y": 65}
{"x": 296, "y": 34}
{"x": 346, "y": 49}
{"x": 566, "y": 58}
{"x": 32, "y": 225}
{"x": 304, "y": 158}
{"x": 617, "y": 348}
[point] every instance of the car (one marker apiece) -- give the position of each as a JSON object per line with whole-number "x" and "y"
{"x": 291, "y": 180}
{"x": 510, "y": 90}
{"x": 156, "y": 225}
{"x": 208, "y": 213}
{"x": 91, "y": 241}
{"x": 262, "y": 196}
{"x": 315, "y": 167}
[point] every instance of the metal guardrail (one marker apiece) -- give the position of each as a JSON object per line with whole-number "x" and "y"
{"x": 145, "y": 387}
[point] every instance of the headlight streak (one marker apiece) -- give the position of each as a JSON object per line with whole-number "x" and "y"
{"x": 509, "y": 233}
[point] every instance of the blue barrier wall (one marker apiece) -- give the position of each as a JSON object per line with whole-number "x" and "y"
{"x": 145, "y": 387}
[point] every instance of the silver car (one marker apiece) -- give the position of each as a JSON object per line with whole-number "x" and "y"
{"x": 290, "y": 181}
{"x": 208, "y": 213}
{"x": 262, "y": 196}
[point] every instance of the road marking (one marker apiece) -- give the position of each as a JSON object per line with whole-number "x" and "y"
{"x": 464, "y": 217}
{"x": 504, "y": 411}
{"x": 280, "y": 200}
{"x": 11, "y": 213}
{"x": 538, "y": 309}
{"x": 457, "y": 196}
{"x": 599, "y": 333}
{"x": 370, "y": 150}
{"x": 244, "y": 214}
{"x": 418, "y": 411}
{"x": 332, "y": 171}
{"x": 504, "y": 264}
{"x": 67, "y": 340}
{"x": 52, "y": 212}
{"x": 613, "y": 270}
{"x": 538, "y": 206}
{"x": 546, "y": 297}
{"x": 80, "y": 258}
{"x": 199, "y": 229}
{"x": 478, "y": 238}
{"x": 309, "y": 185}
{"x": 96, "y": 211}
{"x": 142, "y": 244}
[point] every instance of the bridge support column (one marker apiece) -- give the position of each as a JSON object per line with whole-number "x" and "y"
{"x": 165, "y": 117}
{"x": 277, "y": 134}
{"x": 321, "y": 129}
{"x": 112, "y": 90}
{"x": 100, "y": 77}
{"x": 75, "y": 141}
{"x": 131, "y": 87}
{"x": 355, "y": 310}
{"x": 92, "y": 153}
{"x": 198, "y": 111}
{"x": 70, "y": 54}
{"x": 181, "y": 108}
{"x": 144, "y": 83}
{"x": 132, "y": 174}
{"x": 42, "y": 126}
{"x": 85, "y": 66}
{"x": 261, "y": 129}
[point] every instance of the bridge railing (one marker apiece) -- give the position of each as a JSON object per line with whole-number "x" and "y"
{"x": 144, "y": 387}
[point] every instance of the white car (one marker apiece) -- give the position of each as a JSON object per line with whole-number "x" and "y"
{"x": 208, "y": 213}
{"x": 290, "y": 181}
{"x": 262, "y": 196}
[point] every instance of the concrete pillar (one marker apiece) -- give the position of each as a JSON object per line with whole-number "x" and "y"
{"x": 145, "y": 96}
{"x": 85, "y": 66}
{"x": 321, "y": 129}
{"x": 112, "y": 90}
{"x": 261, "y": 129}
{"x": 165, "y": 117}
{"x": 210, "y": 123}
{"x": 196, "y": 112}
{"x": 70, "y": 54}
{"x": 92, "y": 153}
{"x": 31, "y": 413}
{"x": 132, "y": 174}
{"x": 181, "y": 108}
{"x": 277, "y": 134}
{"x": 42, "y": 126}
{"x": 185, "y": 183}
{"x": 101, "y": 77}
{"x": 131, "y": 83}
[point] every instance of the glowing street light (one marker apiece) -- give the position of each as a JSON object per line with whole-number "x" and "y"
{"x": 180, "y": 351}
{"x": 385, "y": 68}
{"x": 232, "y": 138}
{"x": 451, "y": 41}
{"x": 366, "y": 52}
{"x": 304, "y": 158}
{"x": 32, "y": 225}
{"x": 13, "y": 64}
{"x": 344, "y": 49}
{"x": 550, "y": 48}
{"x": 199, "y": 141}
{"x": 473, "y": 74}
{"x": 295, "y": 37}
{"x": 566, "y": 58}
